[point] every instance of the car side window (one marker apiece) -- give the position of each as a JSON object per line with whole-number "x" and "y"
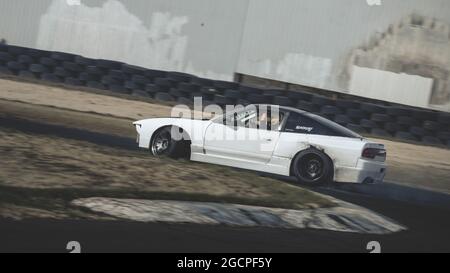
{"x": 301, "y": 124}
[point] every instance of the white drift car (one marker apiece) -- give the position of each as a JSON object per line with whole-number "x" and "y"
{"x": 273, "y": 139}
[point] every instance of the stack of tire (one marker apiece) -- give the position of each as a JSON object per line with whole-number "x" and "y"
{"x": 393, "y": 121}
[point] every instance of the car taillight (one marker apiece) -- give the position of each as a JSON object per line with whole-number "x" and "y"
{"x": 371, "y": 153}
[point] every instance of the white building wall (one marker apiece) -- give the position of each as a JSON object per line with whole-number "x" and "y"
{"x": 306, "y": 42}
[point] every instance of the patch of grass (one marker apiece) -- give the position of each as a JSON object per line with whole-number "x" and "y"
{"x": 54, "y": 198}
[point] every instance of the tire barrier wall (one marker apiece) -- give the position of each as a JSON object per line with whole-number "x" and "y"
{"x": 390, "y": 121}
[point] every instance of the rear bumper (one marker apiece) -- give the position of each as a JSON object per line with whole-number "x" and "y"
{"x": 365, "y": 172}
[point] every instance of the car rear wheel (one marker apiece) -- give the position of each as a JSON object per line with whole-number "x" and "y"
{"x": 312, "y": 167}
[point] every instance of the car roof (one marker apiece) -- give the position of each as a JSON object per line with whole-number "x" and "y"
{"x": 286, "y": 108}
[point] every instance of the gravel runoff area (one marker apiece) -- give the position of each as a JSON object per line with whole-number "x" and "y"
{"x": 343, "y": 218}
{"x": 409, "y": 164}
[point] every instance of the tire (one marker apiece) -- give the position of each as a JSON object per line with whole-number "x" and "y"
{"x": 275, "y": 92}
{"x": 64, "y": 57}
{"x": 394, "y": 127}
{"x": 283, "y": 101}
{"x": 3, "y": 47}
{"x": 5, "y": 70}
{"x": 224, "y": 85}
{"x": 258, "y": 98}
{"x": 330, "y": 110}
{"x": 406, "y": 121}
{"x": 445, "y": 136}
{"x": 38, "y": 68}
{"x": 356, "y": 128}
{"x": 233, "y": 94}
{"x": 306, "y": 106}
{"x": 189, "y": 87}
{"x": 153, "y": 89}
{"x": 63, "y": 73}
{"x": 347, "y": 104}
{"x": 312, "y": 167}
{"x": 222, "y": 100}
{"x": 249, "y": 90}
{"x": 296, "y": 95}
{"x": 373, "y": 108}
{"x": 74, "y": 67}
{"x": 425, "y": 115}
{"x": 179, "y": 77}
{"x": 380, "y": 117}
{"x": 118, "y": 75}
{"x": 108, "y": 64}
{"x": 25, "y": 59}
{"x": 243, "y": 102}
{"x": 88, "y": 77}
{"x": 176, "y": 93}
{"x": 140, "y": 93}
{"x": 165, "y": 82}
{"x": 133, "y": 70}
{"x": 17, "y": 50}
{"x": 342, "y": 119}
{"x": 418, "y": 131}
{"x": 184, "y": 101}
{"x": 132, "y": 85}
{"x": 49, "y": 77}
{"x": 369, "y": 124}
{"x": 380, "y": 132}
{"x": 140, "y": 79}
{"x": 84, "y": 61}
{"x": 96, "y": 85}
{"x": 356, "y": 114}
{"x": 48, "y": 61}
{"x": 73, "y": 81}
{"x": 444, "y": 118}
{"x": 153, "y": 74}
{"x": 37, "y": 53}
{"x": 431, "y": 140}
{"x": 202, "y": 81}
{"x": 210, "y": 91}
{"x": 6, "y": 57}
{"x": 163, "y": 143}
{"x": 406, "y": 136}
{"x": 27, "y": 74}
{"x": 398, "y": 111}
{"x": 108, "y": 80}
{"x": 164, "y": 97}
{"x": 16, "y": 66}
{"x": 91, "y": 69}
{"x": 322, "y": 101}
{"x": 118, "y": 88}
{"x": 430, "y": 125}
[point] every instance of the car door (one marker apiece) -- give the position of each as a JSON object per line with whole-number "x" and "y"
{"x": 240, "y": 137}
{"x": 294, "y": 136}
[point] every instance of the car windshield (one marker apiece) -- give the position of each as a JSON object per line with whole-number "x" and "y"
{"x": 341, "y": 130}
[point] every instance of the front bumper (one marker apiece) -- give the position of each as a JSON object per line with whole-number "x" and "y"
{"x": 366, "y": 171}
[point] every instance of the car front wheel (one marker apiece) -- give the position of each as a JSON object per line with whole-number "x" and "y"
{"x": 163, "y": 144}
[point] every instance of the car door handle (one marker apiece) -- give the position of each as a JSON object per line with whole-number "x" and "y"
{"x": 268, "y": 139}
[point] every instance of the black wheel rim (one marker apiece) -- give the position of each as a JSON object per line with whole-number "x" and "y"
{"x": 161, "y": 143}
{"x": 311, "y": 168}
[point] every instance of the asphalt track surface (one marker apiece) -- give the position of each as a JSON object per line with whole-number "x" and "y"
{"x": 428, "y": 228}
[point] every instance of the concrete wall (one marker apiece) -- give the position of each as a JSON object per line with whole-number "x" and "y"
{"x": 313, "y": 42}
{"x": 196, "y": 36}
{"x": 308, "y": 42}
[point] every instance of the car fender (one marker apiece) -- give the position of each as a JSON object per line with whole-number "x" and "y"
{"x": 195, "y": 129}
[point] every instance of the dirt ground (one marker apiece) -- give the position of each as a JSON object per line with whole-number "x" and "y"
{"x": 410, "y": 164}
